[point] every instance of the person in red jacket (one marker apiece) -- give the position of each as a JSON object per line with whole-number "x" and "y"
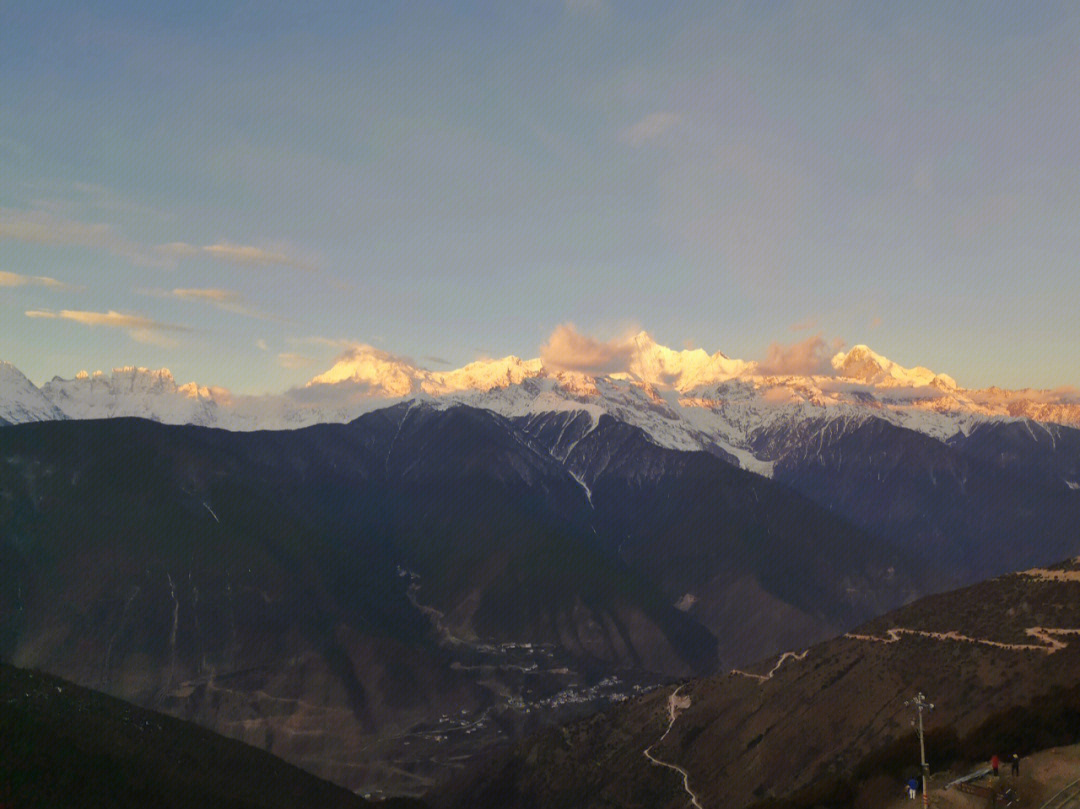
{"x": 995, "y": 762}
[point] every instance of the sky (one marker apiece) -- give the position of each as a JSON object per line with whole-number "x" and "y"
{"x": 240, "y": 190}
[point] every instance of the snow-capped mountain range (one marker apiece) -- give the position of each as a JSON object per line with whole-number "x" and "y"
{"x": 682, "y": 399}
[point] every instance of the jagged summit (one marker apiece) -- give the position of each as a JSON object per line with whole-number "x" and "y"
{"x": 21, "y": 401}
{"x": 135, "y": 391}
{"x": 685, "y": 399}
{"x": 864, "y": 365}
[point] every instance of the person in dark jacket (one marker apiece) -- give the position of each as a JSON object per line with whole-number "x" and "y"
{"x": 1015, "y": 765}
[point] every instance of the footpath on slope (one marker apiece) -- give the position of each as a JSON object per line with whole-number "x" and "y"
{"x": 675, "y": 704}
{"x": 763, "y": 677}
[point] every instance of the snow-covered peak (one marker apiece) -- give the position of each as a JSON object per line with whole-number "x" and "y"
{"x": 482, "y": 375}
{"x": 867, "y": 366}
{"x": 381, "y": 374}
{"x": 21, "y": 400}
{"x": 386, "y": 375}
{"x": 136, "y": 391}
{"x": 132, "y": 379}
{"x": 682, "y": 370}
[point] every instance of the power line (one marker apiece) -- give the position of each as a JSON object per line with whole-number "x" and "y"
{"x": 920, "y": 704}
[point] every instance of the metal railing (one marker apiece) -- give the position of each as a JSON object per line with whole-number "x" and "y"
{"x": 1066, "y": 798}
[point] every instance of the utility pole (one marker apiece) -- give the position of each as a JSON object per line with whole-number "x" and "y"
{"x": 920, "y": 704}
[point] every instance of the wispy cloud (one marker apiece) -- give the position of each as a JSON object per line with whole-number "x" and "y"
{"x": 293, "y": 360}
{"x": 244, "y": 254}
{"x": 139, "y": 328}
{"x": 650, "y": 128}
{"x": 47, "y": 226}
{"x": 76, "y": 199}
{"x": 224, "y": 299}
{"x": 248, "y": 254}
{"x": 328, "y": 342}
{"x": 218, "y": 297}
{"x": 13, "y": 279}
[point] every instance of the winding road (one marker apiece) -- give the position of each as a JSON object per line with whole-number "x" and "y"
{"x": 675, "y": 704}
{"x": 1048, "y": 643}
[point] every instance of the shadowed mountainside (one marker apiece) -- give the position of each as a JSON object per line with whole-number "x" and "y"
{"x": 1003, "y": 497}
{"x": 328, "y": 594}
{"x": 63, "y": 745}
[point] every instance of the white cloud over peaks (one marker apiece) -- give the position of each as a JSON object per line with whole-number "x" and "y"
{"x": 809, "y": 357}
{"x": 638, "y": 355}
{"x": 567, "y": 349}
{"x": 13, "y": 279}
{"x": 650, "y": 128}
{"x": 139, "y": 328}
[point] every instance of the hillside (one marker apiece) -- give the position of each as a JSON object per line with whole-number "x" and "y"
{"x": 62, "y": 745}
{"x": 999, "y": 660}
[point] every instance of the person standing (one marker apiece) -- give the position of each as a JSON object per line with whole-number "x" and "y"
{"x": 995, "y": 763}
{"x": 1015, "y": 765}
{"x": 912, "y": 788}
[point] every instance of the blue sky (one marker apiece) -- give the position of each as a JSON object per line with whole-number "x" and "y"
{"x": 235, "y": 190}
